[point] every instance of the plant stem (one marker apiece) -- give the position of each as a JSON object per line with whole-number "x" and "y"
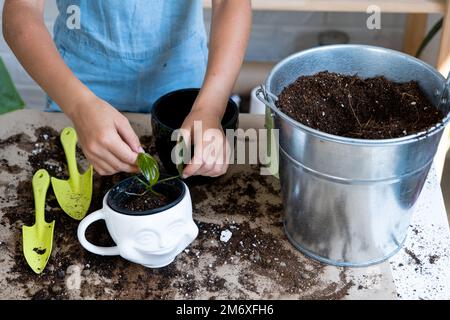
{"x": 143, "y": 182}
{"x": 155, "y": 193}
{"x": 161, "y": 181}
{"x": 137, "y": 194}
{"x": 149, "y": 187}
{"x": 168, "y": 179}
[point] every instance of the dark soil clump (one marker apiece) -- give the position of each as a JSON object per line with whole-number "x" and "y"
{"x": 13, "y": 169}
{"x": 353, "y": 107}
{"x": 145, "y": 202}
{"x": 433, "y": 258}
{"x": 413, "y": 256}
{"x": 46, "y": 153}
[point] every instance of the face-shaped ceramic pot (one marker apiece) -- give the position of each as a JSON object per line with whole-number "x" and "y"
{"x": 152, "y": 238}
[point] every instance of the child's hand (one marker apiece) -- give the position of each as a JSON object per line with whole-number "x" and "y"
{"x": 106, "y": 137}
{"x": 210, "y": 156}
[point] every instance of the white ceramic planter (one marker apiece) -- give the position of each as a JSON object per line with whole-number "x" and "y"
{"x": 152, "y": 238}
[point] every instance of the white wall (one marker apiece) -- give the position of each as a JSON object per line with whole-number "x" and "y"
{"x": 274, "y": 36}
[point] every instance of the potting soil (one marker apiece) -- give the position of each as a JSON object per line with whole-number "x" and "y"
{"x": 350, "y": 106}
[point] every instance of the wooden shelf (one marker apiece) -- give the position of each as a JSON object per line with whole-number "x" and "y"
{"x": 392, "y": 6}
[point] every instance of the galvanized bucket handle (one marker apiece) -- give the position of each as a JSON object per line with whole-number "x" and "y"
{"x": 265, "y": 97}
{"x": 445, "y": 96}
{"x": 269, "y": 99}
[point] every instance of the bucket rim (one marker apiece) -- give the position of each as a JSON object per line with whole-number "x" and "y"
{"x": 355, "y": 141}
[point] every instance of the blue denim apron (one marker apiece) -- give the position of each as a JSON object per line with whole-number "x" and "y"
{"x": 131, "y": 52}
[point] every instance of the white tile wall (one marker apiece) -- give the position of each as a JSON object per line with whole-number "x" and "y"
{"x": 274, "y": 36}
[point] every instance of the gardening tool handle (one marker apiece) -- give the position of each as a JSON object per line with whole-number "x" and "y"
{"x": 84, "y": 224}
{"x": 40, "y": 182}
{"x": 272, "y": 143}
{"x": 69, "y": 142}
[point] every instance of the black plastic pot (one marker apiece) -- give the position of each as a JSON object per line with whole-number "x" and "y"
{"x": 168, "y": 114}
{"x": 174, "y": 190}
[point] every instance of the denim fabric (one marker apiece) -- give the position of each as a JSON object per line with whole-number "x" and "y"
{"x": 130, "y": 53}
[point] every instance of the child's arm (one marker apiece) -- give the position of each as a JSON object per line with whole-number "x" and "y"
{"x": 107, "y": 139}
{"x": 230, "y": 31}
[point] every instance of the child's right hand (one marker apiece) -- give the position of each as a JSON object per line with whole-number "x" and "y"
{"x": 106, "y": 136}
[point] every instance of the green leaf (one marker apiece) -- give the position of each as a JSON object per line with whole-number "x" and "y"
{"x": 181, "y": 145}
{"x": 149, "y": 168}
{"x": 10, "y": 100}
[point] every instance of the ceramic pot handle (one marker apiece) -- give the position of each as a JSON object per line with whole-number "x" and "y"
{"x": 84, "y": 224}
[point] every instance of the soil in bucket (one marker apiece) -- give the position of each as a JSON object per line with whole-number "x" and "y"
{"x": 349, "y": 106}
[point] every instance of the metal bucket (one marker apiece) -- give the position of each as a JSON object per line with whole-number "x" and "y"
{"x": 348, "y": 202}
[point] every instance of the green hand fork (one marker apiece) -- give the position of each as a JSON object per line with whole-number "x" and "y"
{"x": 73, "y": 195}
{"x": 38, "y": 239}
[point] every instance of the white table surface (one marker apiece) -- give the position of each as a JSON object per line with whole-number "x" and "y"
{"x": 428, "y": 236}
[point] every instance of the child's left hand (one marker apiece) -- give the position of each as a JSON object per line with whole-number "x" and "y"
{"x": 211, "y": 148}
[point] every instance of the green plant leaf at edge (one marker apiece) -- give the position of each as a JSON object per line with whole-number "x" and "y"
{"x": 181, "y": 145}
{"x": 149, "y": 168}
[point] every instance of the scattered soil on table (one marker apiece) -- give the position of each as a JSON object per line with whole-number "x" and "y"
{"x": 238, "y": 195}
{"x": 73, "y": 272}
{"x": 46, "y": 153}
{"x": 13, "y": 169}
{"x": 20, "y": 140}
{"x": 433, "y": 258}
{"x": 263, "y": 254}
{"x": 350, "y": 106}
{"x": 413, "y": 256}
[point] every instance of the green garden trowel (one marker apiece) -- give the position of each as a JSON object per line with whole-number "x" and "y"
{"x": 73, "y": 195}
{"x": 38, "y": 239}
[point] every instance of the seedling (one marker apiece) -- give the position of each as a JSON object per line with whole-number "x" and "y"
{"x": 150, "y": 170}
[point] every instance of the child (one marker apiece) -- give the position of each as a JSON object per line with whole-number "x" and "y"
{"x": 122, "y": 56}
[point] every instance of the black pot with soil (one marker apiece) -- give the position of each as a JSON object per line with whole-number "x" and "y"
{"x": 168, "y": 114}
{"x": 131, "y": 197}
